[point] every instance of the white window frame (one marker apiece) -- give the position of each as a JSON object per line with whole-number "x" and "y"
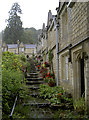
{"x": 65, "y": 67}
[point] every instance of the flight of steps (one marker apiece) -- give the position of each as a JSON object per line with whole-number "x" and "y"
{"x": 33, "y": 80}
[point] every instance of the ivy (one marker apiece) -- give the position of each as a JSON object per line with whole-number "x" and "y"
{"x": 50, "y": 56}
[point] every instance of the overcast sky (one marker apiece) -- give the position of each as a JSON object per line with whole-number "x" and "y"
{"x": 35, "y": 12}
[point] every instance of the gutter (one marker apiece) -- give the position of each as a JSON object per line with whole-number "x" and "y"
{"x": 64, "y": 48}
{"x": 87, "y": 38}
{"x": 71, "y": 47}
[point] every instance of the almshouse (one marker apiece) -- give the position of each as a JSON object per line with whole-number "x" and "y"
{"x": 67, "y": 35}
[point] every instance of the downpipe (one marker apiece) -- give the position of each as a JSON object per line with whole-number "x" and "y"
{"x": 57, "y": 56}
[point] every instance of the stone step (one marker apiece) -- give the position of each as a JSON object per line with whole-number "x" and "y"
{"x": 37, "y": 104}
{"x": 32, "y": 73}
{"x": 30, "y": 76}
{"x": 34, "y": 82}
{"x": 34, "y": 88}
{"x": 34, "y": 85}
{"x": 35, "y": 94}
{"x": 34, "y": 79}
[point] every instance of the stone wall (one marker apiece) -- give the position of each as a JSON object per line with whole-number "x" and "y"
{"x": 52, "y": 46}
{"x": 65, "y": 81}
{"x": 44, "y": 44}
{"x": 14, "y": 50}
{"x": 65, "y": 27}
{"x": 79, "y": 22}
{"x": 86, "y": 48}
{"x": 51, "y": 39}
{"x": 74, "y": 27}
{"x": 29, "y": 51}
{"x": 54, "y": 61}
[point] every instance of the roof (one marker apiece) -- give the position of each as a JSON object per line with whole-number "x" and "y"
{"x": 30, "y": 46}
{"x": 26, "y": 45}
{"x": 12, "y": 45}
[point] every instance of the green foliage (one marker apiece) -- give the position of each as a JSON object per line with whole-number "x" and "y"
{"x": 50, "y": 93}
{"x": 14, "y": 29}
{"x": 55, "y": 95}
{"x": 12, "y": 80}
{"x": 11, "y": 61}
{"x": 30, "y": 35}
{"x": 50, "y": 78}
{"x": 50, "y": 56}
{"x": 79, "y": 105}
{"x": 65, "y": 114}
{"x": 69, "y": 114}
{"x": 27, "y": 37}
{"x": 28, "y": 67}
{"x": 44, "y": 56}
{"x": 22, "y": 57}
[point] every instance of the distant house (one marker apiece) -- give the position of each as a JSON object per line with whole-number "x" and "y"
{"x": 12, "y": 48}
{"x": 27, "y": 49}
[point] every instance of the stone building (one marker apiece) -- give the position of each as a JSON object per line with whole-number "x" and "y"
{"x": 27, "y": 49}
{"x": 51, "y": 40}
{"x": 68, "y": 38}
{"x": 73, "y": 48}
{"x": 47, "y": 41}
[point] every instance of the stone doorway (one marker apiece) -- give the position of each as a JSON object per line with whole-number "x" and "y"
{"x": 78, "y": 75}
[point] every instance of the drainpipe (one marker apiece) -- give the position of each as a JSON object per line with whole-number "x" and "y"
{"x": 46, "y": 42}
{"x": 41, "y": 47}
{"x": 57, "y": 56}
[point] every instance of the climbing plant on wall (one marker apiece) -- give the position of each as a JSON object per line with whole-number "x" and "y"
{"x": 44, "y": 56}
{"x": 50, "y": 57}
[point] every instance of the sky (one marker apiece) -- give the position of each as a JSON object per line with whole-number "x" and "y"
{"x": 35, "y": 12}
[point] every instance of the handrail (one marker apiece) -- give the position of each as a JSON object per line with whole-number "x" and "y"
{"x": 13, "y": 107}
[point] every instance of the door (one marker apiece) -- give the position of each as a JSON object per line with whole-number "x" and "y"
{"x": 82, "y": 76}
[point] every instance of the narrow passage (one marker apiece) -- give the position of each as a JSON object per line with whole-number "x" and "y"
{"x": 35, "y": 106}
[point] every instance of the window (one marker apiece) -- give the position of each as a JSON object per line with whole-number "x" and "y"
{"x": 65, "y": 67}
{"x": 42, "y": 42}
{"x": 22, "y": 50}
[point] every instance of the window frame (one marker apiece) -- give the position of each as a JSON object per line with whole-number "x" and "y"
{"x": 65, "y": 67}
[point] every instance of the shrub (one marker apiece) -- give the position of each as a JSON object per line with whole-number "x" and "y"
{"x": 79, "y": 105}
{"x": 12, "y": 80}
{"x": 50, "y": 93}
